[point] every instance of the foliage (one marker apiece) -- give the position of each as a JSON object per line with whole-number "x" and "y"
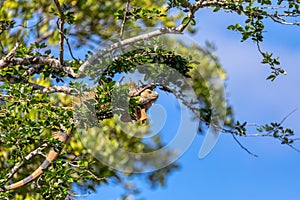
{"x": 40, "y": 73}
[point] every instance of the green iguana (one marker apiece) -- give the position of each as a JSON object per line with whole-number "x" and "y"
{"x": 145, "y": 97}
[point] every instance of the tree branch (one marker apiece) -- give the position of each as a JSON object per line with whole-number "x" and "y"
{"x": 37, "y": 60}
{"x": 16, "y": 168}
{"x": 287, "y": 116}
{"x": 276, "y": 18}
{"x": 161, "y": 31}
{"x": 42, "y": 89}
{"x": 243, "y": 147}
{"x": 69, "y": 47}
{"x": 53, "y": 89}
{"x": 4, "y": 62}
{"x": 194, "y": 8}
{"x": 60, "y": 27}
{"x": 43, "y": 37}
{"x": 124, "y": 19}
{"x": 88, "y": 171}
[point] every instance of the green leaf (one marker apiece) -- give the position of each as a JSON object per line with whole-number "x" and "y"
{"x": 185, "y": 21}
{"x": 272, "y": 77}
{"x": 193, "y": 22}
{"x": 217, "y": 9}
{"x": 231, "y": 27}
{"x": 47, "y": 52}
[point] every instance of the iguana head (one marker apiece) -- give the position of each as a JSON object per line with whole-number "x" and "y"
{"x": 143, "y": 97}
{"x": 146, "y": 99}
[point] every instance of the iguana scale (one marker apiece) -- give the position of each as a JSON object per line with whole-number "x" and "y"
{"x": 146, "y": 97}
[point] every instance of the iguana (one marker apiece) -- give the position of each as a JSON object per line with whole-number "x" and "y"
{"x": 145, "y": 97}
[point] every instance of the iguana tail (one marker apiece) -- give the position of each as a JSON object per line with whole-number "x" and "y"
{"x": 147, "y": 97}
{"x": 50, "y": 157}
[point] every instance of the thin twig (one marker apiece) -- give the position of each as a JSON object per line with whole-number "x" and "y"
{"x": 61, "y": 31}
{"x": 124, "y": 19}
{"x": 294, "y": 148}
{"x": 44, "y": 36}
{"x": 242, "y": 146}
{"x": 69, "y": 47}
{"x": 88, "y": 171}
{"x": 78, "y": 195}
{"x": 288, "y": 115}
{"x": 2, "y": 52}
{"x": 41, "y": 19}
{"x": 280, "y": 20}
{"x": 96, "y": 177}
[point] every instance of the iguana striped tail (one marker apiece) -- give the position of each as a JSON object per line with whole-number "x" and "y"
{"x": 147, "y": 97}
{"x": 50, "y": 157}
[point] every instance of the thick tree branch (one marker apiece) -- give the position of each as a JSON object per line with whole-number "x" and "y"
{"x": 4, "y": 62}
{"x": 42, "y": 89}
{"x": 53, "y": 89}
{"x": 161, "y": 31}
{"x": 203, "y": 4}
{"x": 188, "y": 4}
{"x": 37, "y": 61}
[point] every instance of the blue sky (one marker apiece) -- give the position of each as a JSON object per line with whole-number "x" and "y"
{"x": 228, "y": 172}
